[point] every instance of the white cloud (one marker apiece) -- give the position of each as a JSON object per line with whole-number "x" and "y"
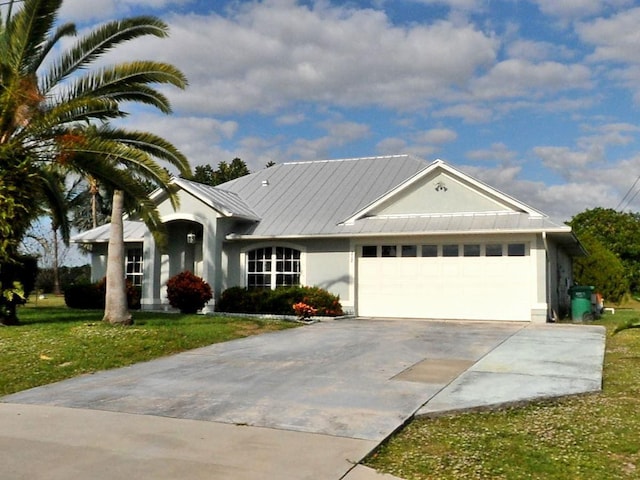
{"x": 391, "y": 146}
{"x": 104, "y": 10}
{"x": 498, "y": 151}
{"x": 568, "y": 9}
{"x": 274, "y": 53}
{"x": 536, "y": 51}
{"x": 589, "y": 154}
{"x": 437, "y": 136}
{"x": 338, "y": 134}
{"x": 469, "y": 112}
{"x": 615, "y": 38}
{"x": 516, "y": 77}
{"x": 560, "y": 202}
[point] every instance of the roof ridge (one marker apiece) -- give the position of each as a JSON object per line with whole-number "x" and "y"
{"x": 352, "y": 159}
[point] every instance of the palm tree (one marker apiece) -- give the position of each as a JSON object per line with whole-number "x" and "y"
{"x": 55, "y": 110}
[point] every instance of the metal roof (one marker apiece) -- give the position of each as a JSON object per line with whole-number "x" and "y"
{"x": 302, "y": 199}
{"x": 227, "y": 203}
{"x": 454, "y": 224}
{"x": 315, "y": 198}
{"x": 134, "y": 231}
{"x": 311, "y": 198}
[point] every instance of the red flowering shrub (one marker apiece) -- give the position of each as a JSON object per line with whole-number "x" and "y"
{"x": 188, "y": 292}
{"x": 303, "y": 310}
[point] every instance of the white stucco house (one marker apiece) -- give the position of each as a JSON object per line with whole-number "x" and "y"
{"x": 394, "y": 236}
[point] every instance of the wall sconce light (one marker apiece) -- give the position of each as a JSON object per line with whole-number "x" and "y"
{"x": 191, "y": 238}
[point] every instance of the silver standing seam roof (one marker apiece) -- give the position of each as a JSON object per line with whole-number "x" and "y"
{"x": 313, "y": 199}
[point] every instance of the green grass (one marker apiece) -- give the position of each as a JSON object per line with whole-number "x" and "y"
{"x": 593, "y": 437}
{"x": 54, "y": 343}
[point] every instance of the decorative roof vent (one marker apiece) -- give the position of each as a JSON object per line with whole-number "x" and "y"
{"x": 441, "y": 187}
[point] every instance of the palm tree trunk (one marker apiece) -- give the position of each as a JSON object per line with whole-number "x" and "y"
{"x": 56, "y": 269}
{"x": 93, "y": 189}
{"x": 116, "y": 310}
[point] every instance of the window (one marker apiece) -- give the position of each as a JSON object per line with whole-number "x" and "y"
{"x": 133, "y": 266}
{"x": 409, "y": 251}
{"x": 273, "y": 267}
{"x": 516, "y": 250}
{"x": 471, "y": 250}
{"x": 369, "y": 251}
{"x": 450, "y": 250}
{"x": 389, "y": 251}
{"x": 493, "y": 250}
{"x": 429, "y": 250}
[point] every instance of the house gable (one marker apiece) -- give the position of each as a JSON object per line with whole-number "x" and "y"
{"x": 440, "y": 189}
{"x": 439, "y": 193}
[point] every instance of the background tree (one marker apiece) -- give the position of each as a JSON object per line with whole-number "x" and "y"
{"x": 55, "y": 110}
{"x": 617, "y": 232}
{"x": 602, "y": 269}
{"x": 225, "y": 172}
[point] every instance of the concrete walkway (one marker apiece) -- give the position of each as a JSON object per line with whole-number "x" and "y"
{"x": 307, "y": 403}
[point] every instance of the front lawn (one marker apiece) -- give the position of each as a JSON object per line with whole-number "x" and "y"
{"x": 55, "y": 343}
{"x": 592, "y": 437}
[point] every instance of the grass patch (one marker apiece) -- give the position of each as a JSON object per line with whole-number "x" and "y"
{"x": 585, "y": 437}
{"x": 54, "y": 343}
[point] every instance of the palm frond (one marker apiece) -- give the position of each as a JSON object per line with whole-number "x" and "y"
{"x": 54, "y": 194}
{"x": 101, "y": 40}
{"x": 125, "y": 78}
{"x": 632, "y": 323}
{"x": 154, "y": 145}
{"x": 27, "y": 31}
{"x": 66, "y": 30}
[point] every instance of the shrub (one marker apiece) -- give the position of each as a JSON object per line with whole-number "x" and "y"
{"x": 90, "y": 296}
{"x": 188, "y": 292}
{"x": 17, "y": 280}
{"x": 68, "y": 276}
{"x": 279, "y": 301}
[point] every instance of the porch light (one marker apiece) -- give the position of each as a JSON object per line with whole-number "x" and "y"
{"x": 191, "y": 238}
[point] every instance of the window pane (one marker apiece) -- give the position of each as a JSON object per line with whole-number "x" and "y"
{"x": 279, "y": 265}
{"x": 471, "y": 250}
{"x": 493, "y": 250}
{"x": 409, "y": 251}
{"x": 516, "y": 250}
{"x": 389, "y": 251}
{"x": 370, "y": 251}
{"x": 429, "y": 250}
{"x": 450, "y": 250}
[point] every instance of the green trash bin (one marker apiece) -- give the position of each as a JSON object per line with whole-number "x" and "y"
{"x": 581, "y": 308}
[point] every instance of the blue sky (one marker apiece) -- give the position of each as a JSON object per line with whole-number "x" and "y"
{"x": 538, "y": 98}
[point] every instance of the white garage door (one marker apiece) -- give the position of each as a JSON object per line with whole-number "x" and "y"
{"x": 479, "y": 283}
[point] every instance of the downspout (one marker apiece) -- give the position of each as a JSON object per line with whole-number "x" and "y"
{"x": 550, "y": 315}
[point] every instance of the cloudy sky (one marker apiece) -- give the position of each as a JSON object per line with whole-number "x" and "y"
{"x": 539, "y": 98}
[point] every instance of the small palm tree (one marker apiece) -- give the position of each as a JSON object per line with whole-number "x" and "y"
{"x": 55, "y": 110}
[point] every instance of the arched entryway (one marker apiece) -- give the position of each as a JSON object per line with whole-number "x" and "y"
{"x": 184, "y": 247}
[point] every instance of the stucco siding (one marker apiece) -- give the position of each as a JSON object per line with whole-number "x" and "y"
{"x": 438, "y": 194}
{"x": 328, "y": 267}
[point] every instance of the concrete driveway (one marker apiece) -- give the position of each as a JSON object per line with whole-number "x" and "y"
{"x": 296, "y": 404}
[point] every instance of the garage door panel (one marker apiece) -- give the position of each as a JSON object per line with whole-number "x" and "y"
{"x": 483, "y": 288}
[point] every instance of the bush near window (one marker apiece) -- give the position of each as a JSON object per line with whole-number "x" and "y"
{"x": 90, "y": 296}
{"x": 188, "y": 292}
{"x": 278, "y": 301}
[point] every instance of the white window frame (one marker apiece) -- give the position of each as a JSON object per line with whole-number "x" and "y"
{"x": 274, "y": 267}
{"x": 134, "y": 261}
